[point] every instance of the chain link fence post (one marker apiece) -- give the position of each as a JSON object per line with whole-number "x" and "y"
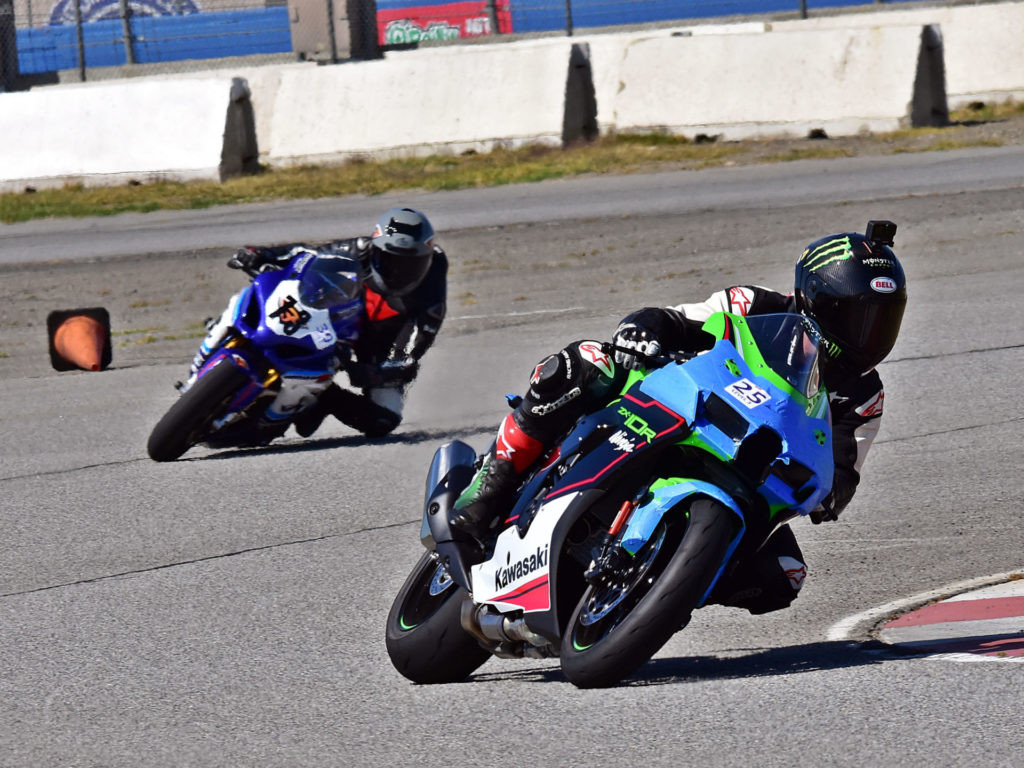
{"x": 8, "y": 47}
{"x": 80, "y": 38}
{"x": 329, "y": 31}
{"x": 126, "y": 32}
{"x": 491, "y": 7}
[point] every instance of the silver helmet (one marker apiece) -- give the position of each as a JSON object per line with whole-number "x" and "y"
{"x": 401, "y": 251}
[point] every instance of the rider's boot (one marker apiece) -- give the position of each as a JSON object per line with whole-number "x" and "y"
{"x": 490, "y": 490}
{"x": 308, "y": 421}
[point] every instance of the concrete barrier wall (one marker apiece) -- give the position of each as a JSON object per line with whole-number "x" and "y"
{"x": 608, "y": 53}
{"x": 115, "y": 132}
{"x": 983, "y": 45}
{"x": 424, "y": 101}
{"x": 842, "y": 74}
{"x": 776, "y": 83}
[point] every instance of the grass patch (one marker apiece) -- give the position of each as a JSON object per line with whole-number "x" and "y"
{"x": 810, "y": 153}
{"x": 945, "y": 145}
{"x": 983, "y": 112}
{"x": 620, "y": 153}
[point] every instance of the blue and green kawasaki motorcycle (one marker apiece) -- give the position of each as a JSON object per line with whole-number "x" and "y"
{"x": 632, "y": 520}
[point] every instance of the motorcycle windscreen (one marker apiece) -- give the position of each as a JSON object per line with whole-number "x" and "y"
{"x": 790, "y": 344}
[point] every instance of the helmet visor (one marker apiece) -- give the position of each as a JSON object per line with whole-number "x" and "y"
{"x": 399, "y": 273}
{"x": 865, "y": 331}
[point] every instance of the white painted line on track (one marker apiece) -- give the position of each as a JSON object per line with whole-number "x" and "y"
{"x": 518, "y": 314}
{"x": 959, "y": 657}
{"x": 853, "y": 627}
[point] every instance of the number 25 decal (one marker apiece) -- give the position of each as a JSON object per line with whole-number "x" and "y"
{"x": 748, "y": 393}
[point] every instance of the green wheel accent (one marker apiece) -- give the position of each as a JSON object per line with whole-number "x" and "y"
{"x": 424, "y": 636}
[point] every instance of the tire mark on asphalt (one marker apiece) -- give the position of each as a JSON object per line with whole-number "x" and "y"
{"x": 949, "y": 431}
{"x": 944, "y": 355}
{"x": 295, "y": 446}
{"x": 209, "y": 558}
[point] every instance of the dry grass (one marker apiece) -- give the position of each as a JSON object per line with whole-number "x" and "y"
{"x": 609, "y": 154}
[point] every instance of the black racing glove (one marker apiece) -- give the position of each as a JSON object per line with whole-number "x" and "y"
{"x": 252, "y": 260}
{"x": 825, "y": 512}
{"x": 634, "y": 336}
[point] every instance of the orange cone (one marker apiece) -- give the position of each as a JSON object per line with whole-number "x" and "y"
{"x": 79, "y": 338}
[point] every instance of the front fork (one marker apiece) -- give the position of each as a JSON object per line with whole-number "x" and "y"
{"x": 638, "y": 519}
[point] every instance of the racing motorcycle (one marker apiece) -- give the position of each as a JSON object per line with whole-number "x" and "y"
{"x": 288, "y": 332}
{"x": 632, "y": 520}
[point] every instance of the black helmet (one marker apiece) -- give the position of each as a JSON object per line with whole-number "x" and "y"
{"x": 400, "y": 251}
{"x": 853, "y": 286}
{"x": 328, "y": 280}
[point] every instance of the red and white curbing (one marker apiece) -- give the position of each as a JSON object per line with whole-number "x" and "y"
{"x": 978, "y": 620}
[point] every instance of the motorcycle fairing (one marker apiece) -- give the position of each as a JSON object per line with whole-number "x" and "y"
{"x": 285, "y": 315}
{"x": 721, "y": 422}
{"x": 297, "y": 340}
{"x": 663, "y": 496}
{"x": 516, "y": 573}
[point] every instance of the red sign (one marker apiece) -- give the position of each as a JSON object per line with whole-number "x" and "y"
{"x": 403, "y": 26}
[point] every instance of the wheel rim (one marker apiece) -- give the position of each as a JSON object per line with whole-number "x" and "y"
{"x": 426, "y": 597}
{"x": 607, "y": 604}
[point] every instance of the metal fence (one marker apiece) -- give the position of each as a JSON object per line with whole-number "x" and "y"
{"x": 45, "y": 41}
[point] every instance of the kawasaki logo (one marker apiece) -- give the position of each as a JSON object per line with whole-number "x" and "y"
{"x": 522, "y": 568}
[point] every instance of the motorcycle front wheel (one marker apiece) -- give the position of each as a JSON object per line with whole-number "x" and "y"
{"x": 425, "y": 638}
{"x": 189, "y": 419}
{"x": 622, "y": 621}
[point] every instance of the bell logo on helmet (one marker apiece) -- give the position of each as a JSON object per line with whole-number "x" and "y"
{"x": 883, "y": 285}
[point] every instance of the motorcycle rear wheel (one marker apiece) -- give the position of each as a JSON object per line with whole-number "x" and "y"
{"x": 425, "y": 638}
{"x": 617, "y": 627}
{"x": 189, "y": 419}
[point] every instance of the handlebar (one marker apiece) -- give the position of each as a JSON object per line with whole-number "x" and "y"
{"x": 650, "y": 361}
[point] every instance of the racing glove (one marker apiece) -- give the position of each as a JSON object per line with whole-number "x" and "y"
{"x": 825, "y": 512}
{"x": 634, "y": 336}
{"x": 252, "y": 260}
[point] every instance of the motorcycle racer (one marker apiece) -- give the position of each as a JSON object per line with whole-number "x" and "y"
{"x": 852, "y": 285}
{"x": 404, "y": 292}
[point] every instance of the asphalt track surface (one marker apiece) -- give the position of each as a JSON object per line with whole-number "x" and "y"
{"x": 228, "y": 609}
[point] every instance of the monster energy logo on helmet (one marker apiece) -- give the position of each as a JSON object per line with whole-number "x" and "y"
{"x": 836, "y": 249}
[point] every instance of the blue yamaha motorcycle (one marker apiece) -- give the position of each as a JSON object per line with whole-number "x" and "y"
{"x": 287, "y": 334}
{"x": 632, "y": 520}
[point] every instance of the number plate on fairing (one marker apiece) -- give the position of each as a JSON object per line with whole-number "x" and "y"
{"x": 748, "y": 393}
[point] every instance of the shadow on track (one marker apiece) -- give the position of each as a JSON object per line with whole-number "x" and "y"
{"x": 766, "y": 662}
{"x": 412, "y": 437}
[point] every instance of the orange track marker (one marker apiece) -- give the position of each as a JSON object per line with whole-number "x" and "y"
{"x": 79, "y": 338}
